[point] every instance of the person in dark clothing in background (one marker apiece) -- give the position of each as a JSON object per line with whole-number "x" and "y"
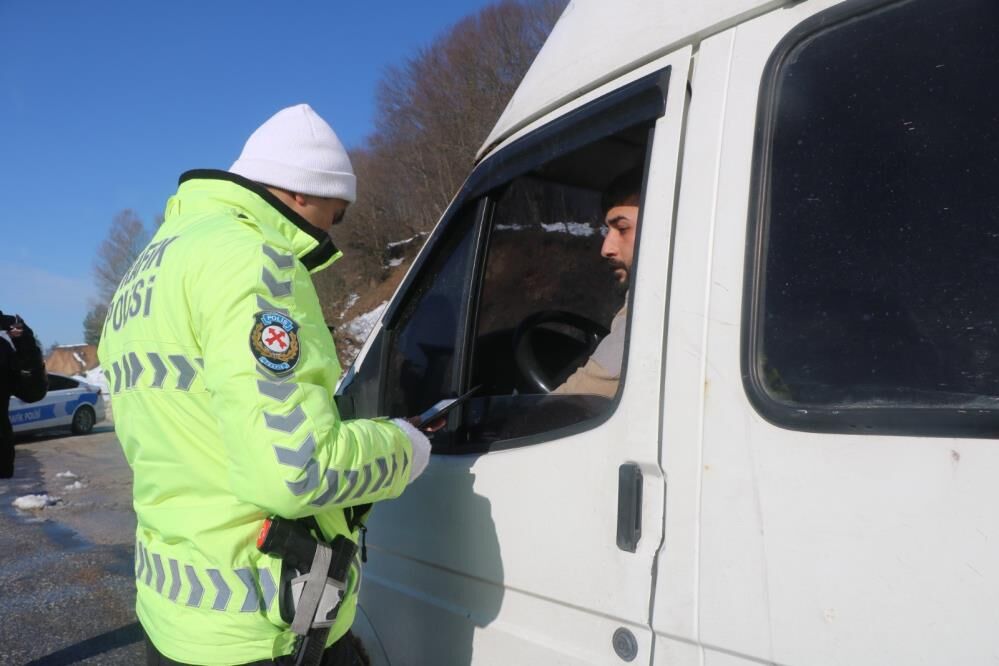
{"x": 22, "y": 374}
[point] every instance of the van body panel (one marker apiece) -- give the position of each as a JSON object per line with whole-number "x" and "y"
{"x": 675, "y": 614}
{"x": 672, "y": 652}
{"x": 596, "y": 41}
{"x": 826, "y": 548}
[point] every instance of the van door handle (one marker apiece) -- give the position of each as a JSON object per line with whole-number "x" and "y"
{"x": 629, "y": 507}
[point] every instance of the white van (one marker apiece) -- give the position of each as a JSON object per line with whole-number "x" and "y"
{"x": 799, "y": 465}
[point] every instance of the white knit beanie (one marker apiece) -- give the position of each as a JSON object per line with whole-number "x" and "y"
{"x": 298, "y": 151}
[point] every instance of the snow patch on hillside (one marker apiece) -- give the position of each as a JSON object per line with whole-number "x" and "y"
{"x": 360, "y": 327}
{"x": 571, "y": 228}
{"x": 356, "y": 331}
{"x": 407, "y": 241}
{"x": 351, "y": 300}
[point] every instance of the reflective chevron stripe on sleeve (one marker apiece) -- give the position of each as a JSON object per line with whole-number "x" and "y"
{"x": 264, "y": 304}
{"x": 280, "y": 260}
{"x": 278, "y": 289}
{"x": 357, "y": 482}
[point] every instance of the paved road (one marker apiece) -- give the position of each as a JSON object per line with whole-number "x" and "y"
{"x": 66, "y": 571}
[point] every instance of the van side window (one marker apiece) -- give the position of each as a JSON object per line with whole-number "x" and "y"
{"x": 421, "y": 360}
{"x": 876, "y": 237}
{"x": 543, "y": 257}
{"x": 546, "y": 302}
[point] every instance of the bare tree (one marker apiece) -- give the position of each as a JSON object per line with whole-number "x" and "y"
{"x": 125, "y": 240}
{"x": 93, "y": 323}
{"x": 433, "y": 112}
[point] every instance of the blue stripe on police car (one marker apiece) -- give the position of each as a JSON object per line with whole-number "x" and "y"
{"x": 32, "y": 414}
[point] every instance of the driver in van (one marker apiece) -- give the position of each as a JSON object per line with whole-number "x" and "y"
{"x": 601, "y": 373}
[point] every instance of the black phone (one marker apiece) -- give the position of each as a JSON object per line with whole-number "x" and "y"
{"x": 442, "y": 407}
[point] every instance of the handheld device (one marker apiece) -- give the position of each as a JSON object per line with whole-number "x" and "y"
{"x": 442, "y": 407}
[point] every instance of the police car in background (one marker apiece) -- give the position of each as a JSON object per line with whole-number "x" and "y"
{"x": 69, "y": 402}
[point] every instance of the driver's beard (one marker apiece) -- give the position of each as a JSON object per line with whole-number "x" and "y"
{"x": 621, "y": 285}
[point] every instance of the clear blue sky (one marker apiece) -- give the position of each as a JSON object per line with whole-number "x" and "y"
{"x": 104, "y": 104}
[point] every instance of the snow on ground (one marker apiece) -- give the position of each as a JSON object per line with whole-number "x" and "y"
{"x": 360, "y": 327}
{"x": 29, "y": 502}
{"x": 70, "y": 476}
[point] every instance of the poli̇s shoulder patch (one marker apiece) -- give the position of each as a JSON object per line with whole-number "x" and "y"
{"x": 274, "y": 341}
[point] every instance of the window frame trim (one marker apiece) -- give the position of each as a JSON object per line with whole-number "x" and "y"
{"x": 929, "y": 421}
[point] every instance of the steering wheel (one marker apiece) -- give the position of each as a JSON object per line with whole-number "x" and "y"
{"x": 523, "y": 344}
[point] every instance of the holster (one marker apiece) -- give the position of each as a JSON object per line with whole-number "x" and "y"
{"x": 317, "y": 592}
{"x": 313, "y": 581}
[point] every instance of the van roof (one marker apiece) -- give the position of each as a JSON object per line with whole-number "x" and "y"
{"x": 596, "y": 41}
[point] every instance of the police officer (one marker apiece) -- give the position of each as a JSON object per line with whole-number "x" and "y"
{"x": 222, "y": 373}
{"x": 22, "y": 374}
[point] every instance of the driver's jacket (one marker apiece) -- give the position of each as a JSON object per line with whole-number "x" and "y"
{"x": 601, "y": 374}
{"x": 222, "y": 373}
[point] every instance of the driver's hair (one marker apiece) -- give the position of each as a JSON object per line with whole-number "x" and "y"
{"x": 624, "y": 190}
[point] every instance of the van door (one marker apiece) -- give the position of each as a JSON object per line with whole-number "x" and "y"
{"x": 531, "y": 538}
{"x": 832, "y": 495}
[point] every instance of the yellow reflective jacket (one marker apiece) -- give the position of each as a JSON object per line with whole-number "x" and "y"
{"x": 222, "y": 373}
